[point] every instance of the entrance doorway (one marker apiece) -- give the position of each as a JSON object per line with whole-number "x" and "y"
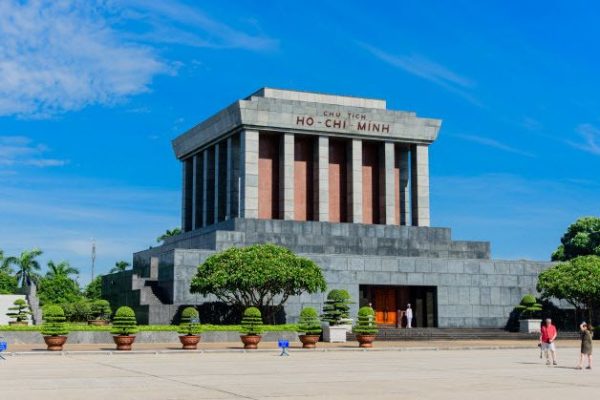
{"x": 389, "y": 303}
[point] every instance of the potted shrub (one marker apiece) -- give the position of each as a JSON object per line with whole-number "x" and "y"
{"x": 100, "y": 312}
{"x": 310, "y": 325}
{"x": 19, "y": 312}
{"x": 365, "y": 329}
{"x": 529, "y": 309}
{"x": 189, "y": 328}
{"x": 335, "y": 314}
{"x": 251, "y": 328}
{"x": 54, "y": 329}
{"x": 124, "y": 326}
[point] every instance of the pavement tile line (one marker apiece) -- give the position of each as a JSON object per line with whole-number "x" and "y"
{"x": 216, "y": 351}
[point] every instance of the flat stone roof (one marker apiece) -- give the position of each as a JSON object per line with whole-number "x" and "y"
{"x": 278, "y": 110}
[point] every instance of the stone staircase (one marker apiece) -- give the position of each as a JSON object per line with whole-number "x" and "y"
{"x": 391, "y": 333}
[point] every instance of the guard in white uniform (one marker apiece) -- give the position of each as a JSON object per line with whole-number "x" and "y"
{"x": 409, "y": 316}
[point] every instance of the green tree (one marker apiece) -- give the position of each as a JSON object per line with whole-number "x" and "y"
{"x": 27, "y": 265}
{"x": 576, "y": 281}
{"x": 93, "y": 290}
{"x": 5, "y": 264}
{"x": 58, "y": 289}
{"x": 8, "y": 283}
{"x": 120, "y": 266}
{"x": 582, "y": 238}
{"x": 262, "y": 275}
{"x": 168, "y": 233}
{"x": 63, "y": 268}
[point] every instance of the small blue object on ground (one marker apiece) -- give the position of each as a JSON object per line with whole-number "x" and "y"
{"x": 3, "y": 347}
{"x": 284, "y": 344}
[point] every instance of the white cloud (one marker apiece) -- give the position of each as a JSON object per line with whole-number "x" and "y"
{"x": 62, "y": 55}
{"x": 495, "y": 144}
{"x": 591, "y": 139}
{"x": 175, "y": 22}
{"x": 23, "y": 151}
{"x": 424, "y": 68}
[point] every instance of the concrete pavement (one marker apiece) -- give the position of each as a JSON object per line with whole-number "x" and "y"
{"x": 475, "y": 374}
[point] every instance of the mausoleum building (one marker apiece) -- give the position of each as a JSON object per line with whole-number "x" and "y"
{"x": 341, "y": 180}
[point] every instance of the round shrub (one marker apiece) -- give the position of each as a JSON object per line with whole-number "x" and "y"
{"x": 54, "y": 321}
{"x": 101, "y": 309}
{"x": 366, "y": 322}
{"x": 528, "y": 300}
{"x": 252, "y": 323}
{"x": 309, "y": 322}
{"x": 124, "y": 323}
{"x": 190, "y": 322}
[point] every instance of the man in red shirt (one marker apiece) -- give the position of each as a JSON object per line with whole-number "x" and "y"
{"x": 547, "y": 338}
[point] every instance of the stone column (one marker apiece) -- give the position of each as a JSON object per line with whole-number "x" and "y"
{"x": 249, "y": 173}
{"x": 356, "y": 188}
{"x": 229, "y": 175}
{"x": 420, "y": 185}
{"x": 286, "y": 177}
{"x": 323, "y": 178}
{"x": 216, "y": 203}
{"x": 204, "y": 187}
{"x": 195, "y": 183}
{"x": 403, "y": 166}
{"x": 183, "y": 196}
{"x": 389, "y": 184}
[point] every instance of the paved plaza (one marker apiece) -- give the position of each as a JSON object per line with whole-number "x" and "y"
{"x": 340, "y": 374}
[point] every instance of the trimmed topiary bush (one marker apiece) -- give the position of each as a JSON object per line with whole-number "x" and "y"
{"x": 190, "y": 322}
{"x": 101, "y": 309}
{"x": 19, "y": 312}
{"x": 124, "y": 322}
{"x": 309, "y": 322}
{"x": 366, "y": 322}
{"x": 529, "y": 307}
{"x": 54, "y": 321}
{"x": 252, "y": 323}
{"x": 337, "y": 307}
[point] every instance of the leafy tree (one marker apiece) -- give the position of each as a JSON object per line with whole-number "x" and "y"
{"x": 63, "y": 268}
{"x": 58, "y": 290}
{"x": 169, "y": 233}
{"x": 93, "y": 290}
{"x": 5, "y": 264}
{"x": 581, "y": 239}
{"x": 120, "y": 266}
{"x": 8, "y": 283}
{"x": 576, "y": 281}
{"x": 262, "y": 275}
{"x": 27, "y": 265}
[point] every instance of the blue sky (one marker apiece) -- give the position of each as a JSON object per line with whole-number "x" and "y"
{"x": 91, "y": 93}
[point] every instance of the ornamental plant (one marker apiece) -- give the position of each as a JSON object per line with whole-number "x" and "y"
{"x": 124, "y": 323}
{"x": 366, "y": 322}
{"x": 101, "y": 309}
{"x": 337, "y": 307}
{"x": 20, "y": 311}
{"x": 529, "y": 307}
{"x": 252, "y": 323}
{"x": 309, "y": 322}
{"x": 190, "y": 322}
{"x": 54, "y": 321}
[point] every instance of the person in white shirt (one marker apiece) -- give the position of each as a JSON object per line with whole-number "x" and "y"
{"x": 409, "y": 316}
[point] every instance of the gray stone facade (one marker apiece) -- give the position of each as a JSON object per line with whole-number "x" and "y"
{"x": 472, "y": 289}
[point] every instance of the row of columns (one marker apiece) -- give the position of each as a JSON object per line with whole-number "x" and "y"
{"x": 211, "y": 195}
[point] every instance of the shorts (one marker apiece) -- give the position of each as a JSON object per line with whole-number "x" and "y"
{"x": 548, "y": 346}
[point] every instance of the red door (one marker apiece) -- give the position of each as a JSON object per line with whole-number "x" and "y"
{"x": 385, "y": 306}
